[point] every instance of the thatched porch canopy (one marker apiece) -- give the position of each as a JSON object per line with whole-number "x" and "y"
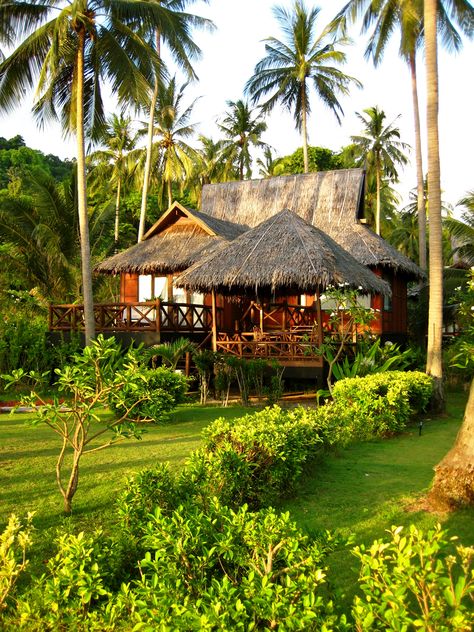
{"x": 179, "y": 238}
{"x": 333, "y": 201}
{"x": 282, "y": 253}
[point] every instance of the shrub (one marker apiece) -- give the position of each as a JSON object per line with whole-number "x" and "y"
{"x": 381, "y": 404}
{"x": 255, "y": 458}
{"x": 168, "y": 388}
{"x": 14, "y": 541}
{"x": 412, "y": 581}
{"x": 223, "y": 569}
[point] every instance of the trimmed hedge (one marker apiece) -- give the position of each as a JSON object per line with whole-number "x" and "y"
{"x": 380, "y": 404}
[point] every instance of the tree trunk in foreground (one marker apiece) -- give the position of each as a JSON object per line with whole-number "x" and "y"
{"x": 89, "y": 321}
{"x": 420, "y": 186}
{"x": 434, "y": 365}
{"x": 149, "y": 149}
{"x": 453, "y": 483}
{"x": 304, "y": 130}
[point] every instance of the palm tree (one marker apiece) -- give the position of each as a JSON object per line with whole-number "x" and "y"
{"x": 42, "y": 230}
{"x": 172, "y": 127}
{"x": 117, "y": 162}
{"x": 380, "y": 150}
{"x": 462, "y": 230}
{"x": 241, "y": 130}
{"x": 301, "y": 59}
{"x": 66, "y": 50}
{"x": 407, "y": 15}
{"x": 176, "y": 35}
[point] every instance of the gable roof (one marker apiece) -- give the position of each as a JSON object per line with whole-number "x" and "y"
{"x": 282, "y": 252}
{"x": 172, "y": 245}
{"x": 330, "y": 200}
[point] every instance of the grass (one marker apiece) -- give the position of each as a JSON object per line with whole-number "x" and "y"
{"x": 365, "y": 489}
{"x": 28, "y": 458}
{"x": 360, "y": 491}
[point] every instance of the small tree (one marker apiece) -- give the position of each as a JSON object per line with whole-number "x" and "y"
{"x": 347, "y": 320}
{"x": 95, "y": 378}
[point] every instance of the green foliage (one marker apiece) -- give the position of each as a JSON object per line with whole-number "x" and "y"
{"x": 413, "y": 581}
{"x": 223, "y": 569}
{"x": 372, "y": 358}
{"x": 171, "y": 353}
{"x": 98, "y": 376}
{"x": 204, "y": 360}
{"x": 459, "y": 356}
{"x": 319, "y": 158}
{"x": 256, "y": 458}
{"x": 14, "y": 541}
{"x": 16, "y": 158}
{"x": 150, "y": 398}
{"x": 380, "y": 404}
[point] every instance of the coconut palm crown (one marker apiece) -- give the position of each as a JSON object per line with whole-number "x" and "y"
{"x": 300, "y": 60}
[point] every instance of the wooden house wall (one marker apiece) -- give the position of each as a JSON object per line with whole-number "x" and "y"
{"x": 128, "y": 288}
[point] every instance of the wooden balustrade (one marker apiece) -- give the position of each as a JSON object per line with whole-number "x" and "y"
{"x": 145, "y": 316}
{"x": 286, "y": 346}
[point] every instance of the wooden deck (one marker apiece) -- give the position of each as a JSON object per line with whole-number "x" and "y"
{"x": 295, "y": 347}
{"x": 291, "y": 337}
{"x": 156, "y": 316}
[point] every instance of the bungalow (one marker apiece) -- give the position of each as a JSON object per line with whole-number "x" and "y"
{"x": 323, "y": 216}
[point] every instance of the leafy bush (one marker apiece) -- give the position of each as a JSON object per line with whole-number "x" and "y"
{"x": 14, "y": 542}
{"x": 255, "y": 458}
{"x": 167, "y": 388}
{"x": 381, "y": 404}
{"x": 412, "y": 581}
{"x": 374, "y": 358}
{"x": 223, "y": 569}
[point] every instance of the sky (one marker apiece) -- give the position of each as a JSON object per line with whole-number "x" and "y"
{"x": 229, "y": 55}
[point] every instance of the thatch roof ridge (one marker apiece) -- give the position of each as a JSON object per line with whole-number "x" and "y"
{"x": 330, "y": 200}
{"x": 283, "y": 251}
{"x": 160, "y": 254}
{"x": 166, "y": 253}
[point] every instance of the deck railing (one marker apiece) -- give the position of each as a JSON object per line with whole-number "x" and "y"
{"x": 154, "y": 315}
{"x": 292, "y": 345}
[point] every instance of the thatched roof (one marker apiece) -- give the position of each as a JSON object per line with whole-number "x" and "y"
{"x": 330, "y": 200}
{"x": 284, "y": 252}
{"x": 178, "y": 239}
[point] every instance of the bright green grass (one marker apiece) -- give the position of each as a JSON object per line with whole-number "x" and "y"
{"x": 360, "y": 491}
{"x": 28, "y": 457}
{"x": 365, "y": 489}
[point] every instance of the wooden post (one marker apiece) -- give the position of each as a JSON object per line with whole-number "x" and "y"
{"x": 188, "y": 364}
{"x": 283, "y": 318}
{"x": 158, "y": 315}
{"x": 214, "y": 321}
{"x": 319, "y": 318}
{"x": 262, "y": 318}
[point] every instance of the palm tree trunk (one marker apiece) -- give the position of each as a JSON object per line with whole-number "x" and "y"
{"x": 420, "y": 188}
{"x": 378, "y": 204}
{"x": 117, "y": 212}
{"x": 304, "y": 130}
{"x": 89, "y": 321}
{"x": 434, "y": 365}
{"x": 170, "y": 192}
{"x": 149, "y": 147}
{"x": 454, "y": 478}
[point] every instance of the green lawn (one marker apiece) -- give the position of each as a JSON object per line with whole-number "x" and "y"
{"x": 362, "y": 490}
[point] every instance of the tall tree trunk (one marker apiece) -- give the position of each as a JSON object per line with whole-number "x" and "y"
{"x": 378, "y": 203}
{"x": 434, "y": 365}
{"x": 170, "y": 192}
{"x": 304, "y": 130}
{"x": 149, "y": 147}
{"x": 420, "y": 189}
{"x": 454, "y": 476}
{"x": 89, "y": 321}
{"x": 117, "y": 212}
